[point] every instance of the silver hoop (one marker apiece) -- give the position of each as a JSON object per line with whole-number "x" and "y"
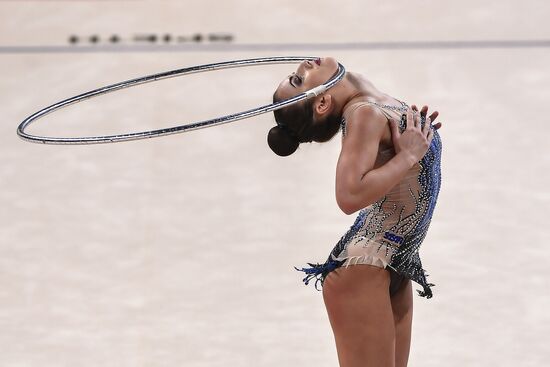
{"x": 182, "y": 128}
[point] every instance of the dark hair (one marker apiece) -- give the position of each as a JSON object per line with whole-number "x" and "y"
{"x": 295, "y": 125}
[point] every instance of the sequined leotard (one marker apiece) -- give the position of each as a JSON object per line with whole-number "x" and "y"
{"x": 389, "y": 232}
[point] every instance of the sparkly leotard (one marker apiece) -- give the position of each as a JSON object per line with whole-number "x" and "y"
{"x": 389, "y": 232}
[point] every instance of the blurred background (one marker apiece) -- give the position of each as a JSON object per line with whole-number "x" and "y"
{"x": 179, "y": 250}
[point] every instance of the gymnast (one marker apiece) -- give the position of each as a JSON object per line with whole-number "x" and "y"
{"x": 389, "y": 171}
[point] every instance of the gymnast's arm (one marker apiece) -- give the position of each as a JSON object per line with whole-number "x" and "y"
{"x": 357, "y": 184}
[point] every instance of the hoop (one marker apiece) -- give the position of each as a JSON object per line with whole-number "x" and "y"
{"x": 181, "y": 128}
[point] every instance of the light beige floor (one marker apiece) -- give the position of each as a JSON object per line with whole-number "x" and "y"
{"x": 179, "y": 251}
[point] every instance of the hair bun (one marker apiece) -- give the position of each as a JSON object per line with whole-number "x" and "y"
{"x": 281, "y": 142}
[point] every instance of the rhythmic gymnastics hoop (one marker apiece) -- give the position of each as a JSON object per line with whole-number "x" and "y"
{"x": 181, "y": 128}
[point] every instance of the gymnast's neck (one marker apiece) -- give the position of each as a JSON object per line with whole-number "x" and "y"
{"x": 354, "y": 88}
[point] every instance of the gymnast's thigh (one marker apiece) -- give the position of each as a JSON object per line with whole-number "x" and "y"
{"x": 360, "y": 314}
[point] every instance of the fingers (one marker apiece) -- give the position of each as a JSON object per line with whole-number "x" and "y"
{"x": 426, "y": 129}
{"x": 423, "y": 119}
{"x": 430, "y": 136}
{"x": 410, "y": 119}
{"x": 415, "y": 113}
{"x": 424, "y": 111}
{"x": 434, "y": 115}
{"x": 415, "y": 119}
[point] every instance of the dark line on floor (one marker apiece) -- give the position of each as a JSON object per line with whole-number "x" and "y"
{"x": 231, "y": 47}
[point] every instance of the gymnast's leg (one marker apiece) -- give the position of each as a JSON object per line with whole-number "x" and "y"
{"x": 360, "y": 313}
{"x": 402, "y": 307}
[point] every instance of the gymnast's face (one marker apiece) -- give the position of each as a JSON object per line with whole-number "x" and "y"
{"x": 309, "y": 74}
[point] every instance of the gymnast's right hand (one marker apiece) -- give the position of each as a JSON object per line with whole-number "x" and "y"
{"x": 415, "y": 140}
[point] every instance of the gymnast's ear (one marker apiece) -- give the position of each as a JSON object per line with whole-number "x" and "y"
{"x": 322, "y": 105}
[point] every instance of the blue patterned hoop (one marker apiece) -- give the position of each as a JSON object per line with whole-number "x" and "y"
{"x": 182, "y": 128}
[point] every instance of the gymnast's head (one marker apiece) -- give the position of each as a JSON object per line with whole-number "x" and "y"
{"x": 315, "y": 119}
